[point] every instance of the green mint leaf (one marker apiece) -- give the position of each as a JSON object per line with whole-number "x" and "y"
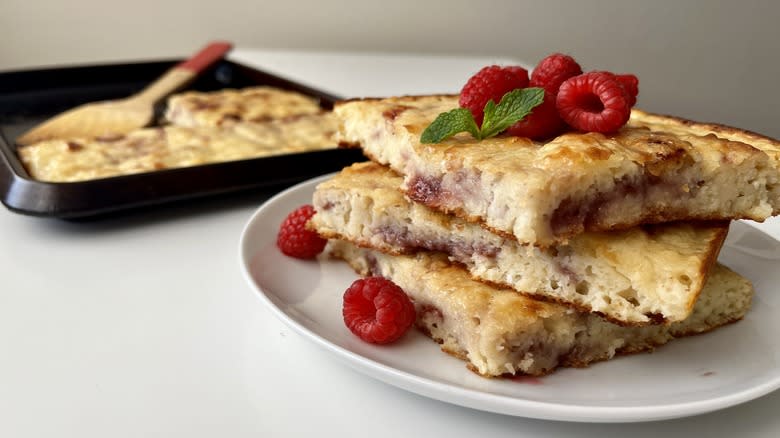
{"x": 450, "y": 123}
{"x": 514, "y": 106}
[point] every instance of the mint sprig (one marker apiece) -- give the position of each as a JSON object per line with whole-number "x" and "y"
{"x": 450, "y": 123}
{"x": 512, "y": 108}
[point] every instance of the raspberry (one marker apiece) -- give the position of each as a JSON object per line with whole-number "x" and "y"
{"x": 553, "y": 70}
{"x": 631, "y": 85}
{"x": 295, "y": 240}
{"x": 594, "y": 102}
{"x": 629, "y": 82}
{"x": 377, "y": 310}
{"x": 543, "y": 122}
{"x": 490, "y": 83}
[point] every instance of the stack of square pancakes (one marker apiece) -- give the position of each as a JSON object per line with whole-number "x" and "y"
{"x": 521, "y": 256}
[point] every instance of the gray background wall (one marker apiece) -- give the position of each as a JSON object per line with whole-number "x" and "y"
{"x": 712, "y": 60}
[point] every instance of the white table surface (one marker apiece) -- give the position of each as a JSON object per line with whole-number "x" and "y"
{"x": 142, "y": 325}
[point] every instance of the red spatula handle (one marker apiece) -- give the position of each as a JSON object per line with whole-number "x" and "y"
{"x": 206, "y": 57}
{"x": 184, "y": 72}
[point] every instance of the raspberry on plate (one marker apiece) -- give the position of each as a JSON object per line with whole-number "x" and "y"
{"x": 551, "y": 71}
{"x": 490, "y": 83}
{"x": 594, "y": 102}
{"x": 295, "y": 240}
{"x": 543, "y": 122}
{"x": 377, "y": 310}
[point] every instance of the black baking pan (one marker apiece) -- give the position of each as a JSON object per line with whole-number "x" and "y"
{"x": 27, "y": 98}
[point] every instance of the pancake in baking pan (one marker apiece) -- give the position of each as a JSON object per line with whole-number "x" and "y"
{"x": 229, "y": 106}
{"x": 169, "y": 147}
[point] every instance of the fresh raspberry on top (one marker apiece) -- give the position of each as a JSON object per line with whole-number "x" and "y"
{"x": 490, "y": 83}
{"x": 629, "y": 82}
{"x": 594, "y": 102}
{"x": 295, "y": 240}
{"x": 377, "y": 310}
{"x": 553, "y": 70}
{"x": 543, "y": 122}
{"x": 631, "y": 85}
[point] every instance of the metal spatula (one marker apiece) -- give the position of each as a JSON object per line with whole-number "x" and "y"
{"x": 121, "y": 116}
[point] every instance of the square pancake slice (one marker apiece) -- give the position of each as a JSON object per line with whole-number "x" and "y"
{"x": 643, "y": 275}
{"x": 501, "y": 333}
{"x": 229, "y": 106}
{"x": 655, "y": 169}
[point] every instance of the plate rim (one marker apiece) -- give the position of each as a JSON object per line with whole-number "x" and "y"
{"x": 472, "y": 398}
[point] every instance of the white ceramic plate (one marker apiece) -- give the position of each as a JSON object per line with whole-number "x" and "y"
{"x": 688, "y": 376}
